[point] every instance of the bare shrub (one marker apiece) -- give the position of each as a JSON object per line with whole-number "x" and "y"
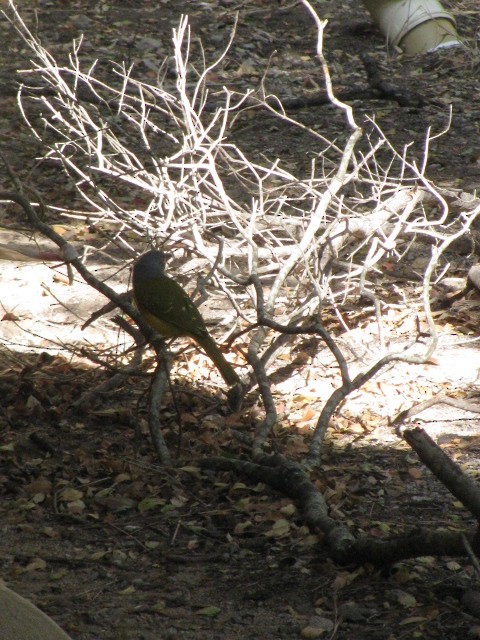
{"x": 285, "y": 250}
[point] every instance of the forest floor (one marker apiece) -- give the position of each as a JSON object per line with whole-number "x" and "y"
{"x": 114, "y": 547}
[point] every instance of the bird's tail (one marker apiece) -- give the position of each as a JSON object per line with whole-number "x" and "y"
{"x": 212, "y": 350}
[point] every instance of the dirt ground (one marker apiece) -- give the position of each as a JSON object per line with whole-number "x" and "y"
{"x": 114, "y": 547}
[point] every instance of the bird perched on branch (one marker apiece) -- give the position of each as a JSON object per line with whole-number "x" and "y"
{"x": 168, "y": 309}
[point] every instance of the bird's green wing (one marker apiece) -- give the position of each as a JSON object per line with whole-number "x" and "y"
{"x": 164, "y": 300}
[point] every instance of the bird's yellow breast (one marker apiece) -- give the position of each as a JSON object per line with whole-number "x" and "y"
{"x": 165, "y": 329}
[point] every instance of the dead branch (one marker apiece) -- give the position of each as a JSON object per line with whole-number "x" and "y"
{"x": 416, "y": 544}
{"x": 291, "y": 480}
{"x": 426, "y": 404}
{"x": 306, "y": 241}
{"x": 447, "y": 471}
{"x": 157, "y": 390}
{"x": 288, "y": 478}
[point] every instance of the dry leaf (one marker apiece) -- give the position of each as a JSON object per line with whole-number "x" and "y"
{"x": 415, "y": 473}
{"x": 70, "y": 495}
{"x": 37, "y": 564}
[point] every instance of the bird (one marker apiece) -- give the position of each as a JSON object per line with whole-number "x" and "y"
{"x": 168, "y": 309}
